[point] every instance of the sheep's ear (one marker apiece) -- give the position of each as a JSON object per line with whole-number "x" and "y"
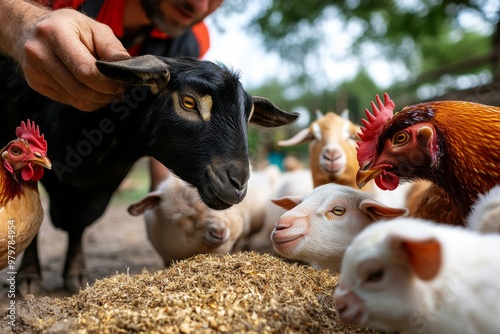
{"x": 377, "y": 210}
{"x": 288, "y": 202}
{"x": 148, "y": 202}
{"x": 145, "y": 70}
{"x": 424, "y": 253}
{"x": 302, "y": 136}
{"x": 267, "y": 114}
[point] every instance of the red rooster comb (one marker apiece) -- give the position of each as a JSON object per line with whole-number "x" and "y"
{"x": 31, "y": 133}
{"x": 372, "y": 128}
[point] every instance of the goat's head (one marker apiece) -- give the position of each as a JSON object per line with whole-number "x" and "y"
{"x": 332, "y": 148}
{"x": 195, "y": 121}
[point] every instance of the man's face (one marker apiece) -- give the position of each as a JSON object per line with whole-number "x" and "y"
{"x": 176, "y": 16}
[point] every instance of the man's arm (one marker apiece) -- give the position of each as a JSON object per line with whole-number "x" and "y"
{"x": 57, "y": 51}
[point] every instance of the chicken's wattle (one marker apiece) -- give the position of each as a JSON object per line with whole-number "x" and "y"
{"x": 387, "y": 181}
{"x": 32, "y": 172}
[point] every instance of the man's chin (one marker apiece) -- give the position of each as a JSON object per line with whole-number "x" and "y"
{"x": 172, "y": 29}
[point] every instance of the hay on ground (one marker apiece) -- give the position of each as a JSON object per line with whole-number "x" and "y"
{"x": 244, "y": 292}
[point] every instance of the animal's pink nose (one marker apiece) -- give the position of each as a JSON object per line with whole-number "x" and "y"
{"x": 331, "y": 154}
{"x": 350, "y": 307}
{"x": 215, "y": 236}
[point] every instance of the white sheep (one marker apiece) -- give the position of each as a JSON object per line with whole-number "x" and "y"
{"x": 321, "y": 224}
{"x": 416, "y": 276}
{"x": 179, "y": 225}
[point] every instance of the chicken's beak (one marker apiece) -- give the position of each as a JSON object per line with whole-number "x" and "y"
{"x": 365, "y": 176}
{"x": 42, "y": 160}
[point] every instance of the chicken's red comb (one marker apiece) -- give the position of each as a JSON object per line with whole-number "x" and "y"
{"x": 31, "y": 132}
{"x": 373, "y": 126}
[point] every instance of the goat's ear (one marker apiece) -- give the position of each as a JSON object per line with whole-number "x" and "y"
{"x": 377, "y": 210}
{"x": 423, "y": 253}
{"x": 148, "y": 202}
{"x": 288, "y": 202}
{"x": 145, "y": 70}
{"x": 267, "y": 114}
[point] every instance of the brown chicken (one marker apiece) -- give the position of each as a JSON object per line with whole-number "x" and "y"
{"x": 453, "y": 144}
{"x": 21, "y": 212}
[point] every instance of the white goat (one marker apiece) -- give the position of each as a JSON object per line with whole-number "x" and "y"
{"x": 179, "y": 225}
{"x": 320, "y": 225}
{"x": 416, "y": 276}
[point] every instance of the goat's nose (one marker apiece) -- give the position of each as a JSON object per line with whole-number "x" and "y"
{"x": 240, "y": 187}
{"x": 350, "y": 307}
{"x": 331, "y": 154}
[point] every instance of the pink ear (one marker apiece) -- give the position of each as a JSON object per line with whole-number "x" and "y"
{"x": 288, "y": 202}
{"x": 424, "y": 254}
{"x": 148, "y": 202}
{"x": 377, "y": 210}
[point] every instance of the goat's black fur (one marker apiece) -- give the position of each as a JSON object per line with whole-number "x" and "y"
{"x": 93, "y": 152}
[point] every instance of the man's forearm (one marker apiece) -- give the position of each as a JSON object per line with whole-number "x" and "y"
{"x": 16, "y": 16}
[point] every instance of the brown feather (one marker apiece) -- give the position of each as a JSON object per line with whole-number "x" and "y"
{"x": 469, "y": 161}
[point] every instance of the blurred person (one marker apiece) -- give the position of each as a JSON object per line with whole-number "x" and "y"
{"x": 56, "y": 45}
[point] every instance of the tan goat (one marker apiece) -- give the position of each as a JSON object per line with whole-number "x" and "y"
{"x": 332, "y": 149}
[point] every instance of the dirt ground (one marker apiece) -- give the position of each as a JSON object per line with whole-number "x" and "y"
{"x": 116, "y": 243}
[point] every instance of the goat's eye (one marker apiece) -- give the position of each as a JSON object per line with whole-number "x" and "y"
{"x": 338, "y": 210}
{"x": 400, "y": 138}
{"x": 15, "y": 150}
{"x": 375, "y": 276}
{"x": 188, "y": 102}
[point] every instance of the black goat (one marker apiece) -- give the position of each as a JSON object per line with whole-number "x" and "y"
{"x": 190, "y": 115}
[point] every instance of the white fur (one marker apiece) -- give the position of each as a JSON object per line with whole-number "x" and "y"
{"x": 461, "y": 297}
{"x": 298, "y": 182}
{"x": 180, "y": 224}
{"x": 485, "y": 213}
{"x": 311, "y": 232}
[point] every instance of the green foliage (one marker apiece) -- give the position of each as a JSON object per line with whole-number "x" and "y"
{"x": 421, "y": 35}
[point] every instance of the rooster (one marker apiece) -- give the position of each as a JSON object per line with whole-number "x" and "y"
{"x": 21, "y": 213}
{"x": 452, "y": 144}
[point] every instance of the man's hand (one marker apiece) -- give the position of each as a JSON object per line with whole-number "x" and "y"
{"x": 57, "y": 51}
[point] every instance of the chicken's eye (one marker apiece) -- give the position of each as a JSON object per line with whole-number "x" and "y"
{"x": 400, "y": 138}
{"x": 375, "y": 276}
{"x": 15, "y": 150}
{"x": 188, "y": 102}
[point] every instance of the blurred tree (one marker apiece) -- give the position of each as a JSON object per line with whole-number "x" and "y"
{"x": 436, "y": 41}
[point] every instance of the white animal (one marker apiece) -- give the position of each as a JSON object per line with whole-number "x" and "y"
{"x": 253, "y": 208}
{"x": 293, "y": 183}
{"x": 318, "y": 227}
{"x": 485, "y": 214}
{"x": 179, "y": 225}
{"x": 415, "y": 276}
